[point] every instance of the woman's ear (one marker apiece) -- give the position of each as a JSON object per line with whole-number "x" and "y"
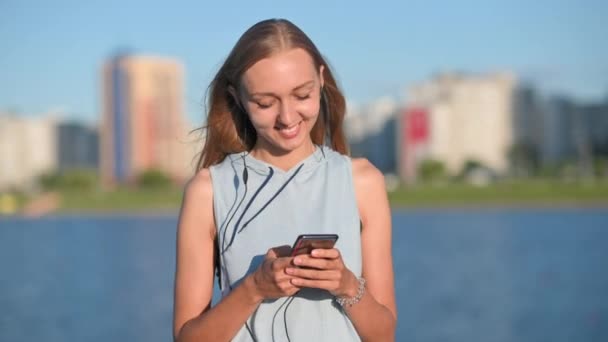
{"x": 321, "y": 78}
{"x": 232, "y": 91}
{"x": 235, "y": 97}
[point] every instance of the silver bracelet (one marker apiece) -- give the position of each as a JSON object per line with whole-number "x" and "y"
{"x": 344, "y": 301}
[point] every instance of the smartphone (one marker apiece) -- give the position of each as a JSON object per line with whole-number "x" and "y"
{"x": 305, "y": 243}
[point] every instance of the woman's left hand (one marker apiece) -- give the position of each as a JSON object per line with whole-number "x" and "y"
{"x": 324, "y": 269}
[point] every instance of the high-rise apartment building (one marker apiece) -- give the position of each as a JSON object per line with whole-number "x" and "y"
{"x": 77, "y": 146}
{"x": 595, "y": 120}
{"x": 467, "y": 118}
{"x": 558, "y": 130}
{"x": 371, "y": 133}
{"x": 27, "y": 150}
{"x": 142, "y": 122}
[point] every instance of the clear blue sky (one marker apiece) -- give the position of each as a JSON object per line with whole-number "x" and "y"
{"x": 51, "y": 51}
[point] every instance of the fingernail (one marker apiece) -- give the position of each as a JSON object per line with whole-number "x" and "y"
{"x": 315, "y": 252}
{"x": 297, "y": 261}
{"x": 289, "y": 270}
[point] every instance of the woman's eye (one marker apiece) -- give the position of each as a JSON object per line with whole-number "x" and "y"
{"x": 264, "y": 105}
{"x": 303, "y": 97}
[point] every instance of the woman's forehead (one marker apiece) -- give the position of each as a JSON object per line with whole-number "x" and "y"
{"x": 283, "y": 71}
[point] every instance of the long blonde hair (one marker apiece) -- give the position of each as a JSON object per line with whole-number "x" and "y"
{"x": 228, "y": 129}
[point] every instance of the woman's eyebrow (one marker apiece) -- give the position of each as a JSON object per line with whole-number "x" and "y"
{"x": 303, "y": 85}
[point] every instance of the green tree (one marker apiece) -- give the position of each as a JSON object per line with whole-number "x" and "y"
{"x": 600, "y": 167}
{"x": 431, "y": 170}
{"x": 153, "y": 179}
{"x": 469, "y": 166}
{"x": 72, "y": 179}
{"x": 50, "y": 181}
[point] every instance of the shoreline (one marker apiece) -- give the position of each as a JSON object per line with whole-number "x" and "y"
{"x": 448, "y": 207}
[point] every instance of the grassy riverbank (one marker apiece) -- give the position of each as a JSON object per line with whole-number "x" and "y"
{"x": 123, "y": 200}
{"x": 521, "y": 193}
{"x": 515, "y": 193}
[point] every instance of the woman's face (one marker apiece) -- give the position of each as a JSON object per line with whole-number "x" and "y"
{"x": 281, "y": 94}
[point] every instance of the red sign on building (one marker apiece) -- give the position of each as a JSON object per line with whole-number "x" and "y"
{"x": 417, "y": 126}
{"x": 414, "y": 137}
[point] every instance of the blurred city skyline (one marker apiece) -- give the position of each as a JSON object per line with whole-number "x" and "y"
{"x": 53, "y": 53}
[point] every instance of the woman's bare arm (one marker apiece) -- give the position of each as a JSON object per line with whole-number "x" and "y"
{"x": 375, "y": 316}
{"x": 194, "y": 319}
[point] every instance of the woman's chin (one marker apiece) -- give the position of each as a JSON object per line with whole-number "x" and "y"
{"x": 285, "y": 146}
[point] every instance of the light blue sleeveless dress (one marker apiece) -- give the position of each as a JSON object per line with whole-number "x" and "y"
{"x": 272, "y": 209}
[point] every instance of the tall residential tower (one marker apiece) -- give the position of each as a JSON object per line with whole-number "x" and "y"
{"x": 142, "y": 122}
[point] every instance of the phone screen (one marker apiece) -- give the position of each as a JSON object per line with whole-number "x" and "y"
{"x": 306, "y": 243}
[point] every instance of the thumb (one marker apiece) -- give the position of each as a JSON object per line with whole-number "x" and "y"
{"x": 279, "y": 251}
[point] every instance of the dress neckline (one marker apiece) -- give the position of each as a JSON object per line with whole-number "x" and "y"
{"x": 310, "y": 162}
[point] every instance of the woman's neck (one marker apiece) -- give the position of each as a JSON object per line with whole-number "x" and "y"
{"x": 283, "y": 160}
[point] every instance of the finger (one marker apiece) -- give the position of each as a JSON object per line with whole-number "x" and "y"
{"x": 271, "y": 254}
{"x": 286, "y": 285}
{"x": 277, "y": 252}
{"x": 281, "y": 275}
{"x": 280, "y": 264}
{"x": 322, "y": 264}
{"x": 277, "y": 280}
{"x": 282, "y": 251}
{"x": 332, "y": 253}
{"x": 313, "y": 274}
{"x": 329, "y": 285}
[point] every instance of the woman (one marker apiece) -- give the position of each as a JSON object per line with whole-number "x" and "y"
{"x": 274, "y": 166}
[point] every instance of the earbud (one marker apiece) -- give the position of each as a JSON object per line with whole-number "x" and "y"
{"x": 245, "y": 173}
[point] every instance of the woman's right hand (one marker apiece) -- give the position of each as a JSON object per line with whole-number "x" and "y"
{"x": 270, "y": 278}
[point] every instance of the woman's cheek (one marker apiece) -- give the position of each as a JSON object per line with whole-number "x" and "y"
{"x": 262, "y": 119}
{"x": 310, "y": 109}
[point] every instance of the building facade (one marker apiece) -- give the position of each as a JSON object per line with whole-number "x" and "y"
{"x": 28, "y": 148}
{"x": 142, "y": 126}
{"x": 78, "y": 146}
{"x": 371, "y": 132}
{"x": 466, "y": 118}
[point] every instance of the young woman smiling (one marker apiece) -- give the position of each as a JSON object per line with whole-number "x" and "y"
{"x": 275, "y": 165}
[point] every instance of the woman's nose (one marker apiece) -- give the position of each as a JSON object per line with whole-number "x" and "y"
{"x": 287, "y": 113}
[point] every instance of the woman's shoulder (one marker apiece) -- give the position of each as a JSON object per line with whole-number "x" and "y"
{"x": 196, "y": 214}
{"x": 366, "y": 175}
{"x": 370, "y": 189}
{"x": 199, "y": 187}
